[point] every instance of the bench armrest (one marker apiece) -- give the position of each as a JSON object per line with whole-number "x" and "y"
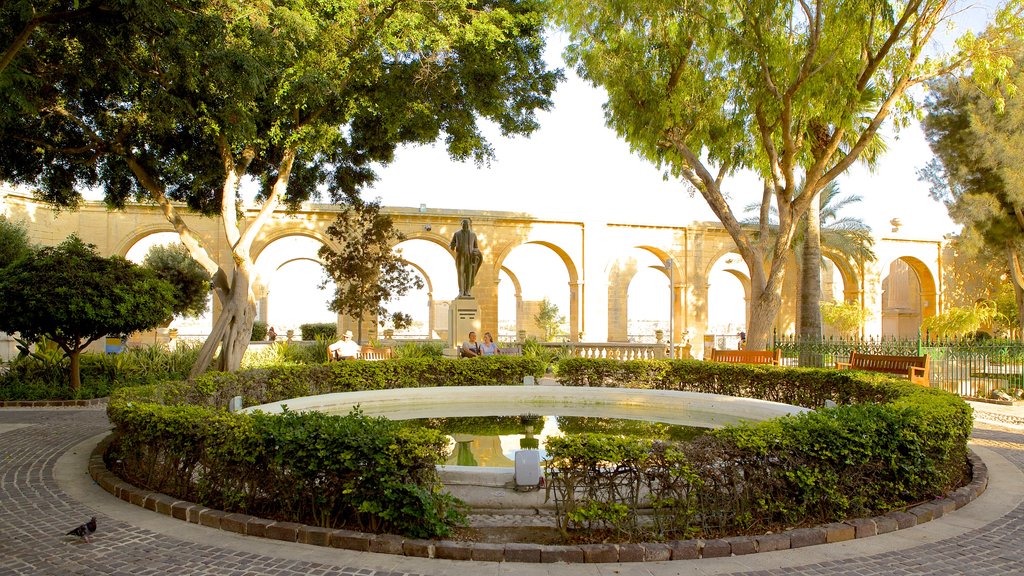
{"x": 917, "y": 371}
{"x": 842, "y": 365}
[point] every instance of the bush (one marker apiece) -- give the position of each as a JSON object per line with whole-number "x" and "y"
{"x": 885, "y": 445}
{"x": 259, "y": 331}
{"x": 320, "y": 330}
{"x": 44, "y": 376}
{"x": 367, "y": 473}
{"x": 888, "y": 444}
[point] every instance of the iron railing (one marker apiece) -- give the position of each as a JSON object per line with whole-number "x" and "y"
{"x": 967, "y": 366}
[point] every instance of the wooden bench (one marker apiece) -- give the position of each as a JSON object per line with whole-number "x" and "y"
{"x": 769, "y": 357}
{"x": 913, "y": 367}
{"x": 366, "y": 353}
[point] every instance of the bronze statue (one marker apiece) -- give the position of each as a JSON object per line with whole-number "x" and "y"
{"x": 468, "y": 258}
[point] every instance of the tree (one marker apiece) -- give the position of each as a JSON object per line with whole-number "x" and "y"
{"x": 366, "y": 271}
{"x": 703, "y": 89}
{"x": 840, "y": 237}
{"x": 191, "y": 282}
{"x": 844, "y": 317}
{"x": 73, "y": 296}
{"x": 960, "y": 321}
{"x": 978, "y": 169}
{"x": 549, "y": 320}
{"x": 14, "y": 243}
{"x": 299, "y": 97}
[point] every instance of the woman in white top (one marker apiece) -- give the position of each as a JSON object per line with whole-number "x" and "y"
{"x": 488, "y": 347}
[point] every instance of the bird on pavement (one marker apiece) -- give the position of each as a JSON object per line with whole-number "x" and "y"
{"x": 84, "y": 530}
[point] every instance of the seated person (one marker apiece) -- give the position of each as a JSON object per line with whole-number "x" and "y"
{"x": 471, "y": 348}
{"x": 344, "y": 349}
{"x": 488, "y": 347}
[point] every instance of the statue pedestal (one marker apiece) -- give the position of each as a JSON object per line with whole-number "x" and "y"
{"x": 463, "y": 317}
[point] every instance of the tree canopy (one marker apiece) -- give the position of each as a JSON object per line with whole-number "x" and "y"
{"x": 191, "y": 282}
{"x": 14, "y": 243}
{"x": 73, "y": 296}
{"x": 183, "y": 101}
{"x": 794, "y": 91}
{"x": 978, "y": 168}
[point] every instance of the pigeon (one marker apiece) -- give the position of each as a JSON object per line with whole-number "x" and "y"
{"x": 84, "y": 530}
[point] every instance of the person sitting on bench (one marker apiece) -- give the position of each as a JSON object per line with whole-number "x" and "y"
{"x": 344, "y": 349}
{"x": 471, "y": 348}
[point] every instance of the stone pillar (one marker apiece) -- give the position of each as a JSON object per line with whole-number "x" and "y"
{"x": 463, "y": 318}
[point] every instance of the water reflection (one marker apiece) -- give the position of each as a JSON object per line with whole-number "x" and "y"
{"x": 494, "y": 440}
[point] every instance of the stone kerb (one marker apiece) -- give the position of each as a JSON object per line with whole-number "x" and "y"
{"x": 537, "y": 553}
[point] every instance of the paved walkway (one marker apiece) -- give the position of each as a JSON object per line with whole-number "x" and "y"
{"x": 45, "y": 491}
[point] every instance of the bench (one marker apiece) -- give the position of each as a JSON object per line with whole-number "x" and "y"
{"x": 913, "y": 367}
{"x": 367, "y": 353}
{"x": 768, "y": 357}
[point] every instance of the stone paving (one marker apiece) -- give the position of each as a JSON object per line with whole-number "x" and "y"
{"x": 35, "y": 512}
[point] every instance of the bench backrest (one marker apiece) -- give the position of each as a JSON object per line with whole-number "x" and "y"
{"x": 371, "y": 353}
{"x": 772, "y": 357}
{"x": 888, "y": 364}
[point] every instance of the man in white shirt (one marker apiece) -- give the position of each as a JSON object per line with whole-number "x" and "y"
{"x": 344, "y": 349}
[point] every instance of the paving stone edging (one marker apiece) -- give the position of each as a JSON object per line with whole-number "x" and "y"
{"x": 53, "y": 403}
{"x": 537, "y": 553}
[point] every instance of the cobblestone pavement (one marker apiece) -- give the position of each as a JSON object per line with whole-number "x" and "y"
{"x": 35, "y": 513}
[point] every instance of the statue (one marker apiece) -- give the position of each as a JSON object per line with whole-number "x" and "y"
{"x": 468, "y": 258}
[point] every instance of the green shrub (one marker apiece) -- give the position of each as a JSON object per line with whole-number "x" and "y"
{"x": 331, "y": 471}
{"x": 419, "y": 350}
{"x": 886, "y": 445}
{"x": 320, "y": 330}
{"x": 259, "y": 331}
{"x": 45, "y": 376}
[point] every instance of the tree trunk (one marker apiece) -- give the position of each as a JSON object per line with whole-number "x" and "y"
{"x": 1018, "y": 296}
{"x": 809, "y": 328}
{"x": 765, "y": 300}
{"x": 233, "y": 329}
{"x": 75, "y": 354}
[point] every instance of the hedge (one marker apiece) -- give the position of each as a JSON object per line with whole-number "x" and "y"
{"x": 885, "y": 445}
{"x": 325, "y": 330}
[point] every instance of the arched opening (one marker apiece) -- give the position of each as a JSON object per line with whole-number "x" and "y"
{"x": 908, "y": 297}
{"x": 541, "y": 274}
{"x": 647, "y": 303}
{"x": 288, "y": 286}
{"x": 427, "y": 306}
{"x": 195, "y": 328}
{"x": 728, "y": 296}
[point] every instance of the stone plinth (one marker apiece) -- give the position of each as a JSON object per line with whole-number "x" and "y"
{"x": 463, "y": 317}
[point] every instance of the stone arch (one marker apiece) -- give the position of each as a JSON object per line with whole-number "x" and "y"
{"x": 571, "y": 268}
{"x": 852, "y": 277}
{"x": 268, "y": 267}
{"x": 139, "y": 234}
{"x": 620, "y": 272}
{"x": 737, "y": 269}
{"x": 909, "y": 295}
{"x": 276, "y": 234}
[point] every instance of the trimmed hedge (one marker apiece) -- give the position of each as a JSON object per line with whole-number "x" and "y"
{"x": 263, "y": 385}
{"x": 887, "y": 444}
{"x": 325, "y": 330}
{"x": 890, "y": 445}
{"x": 331, "y": 471}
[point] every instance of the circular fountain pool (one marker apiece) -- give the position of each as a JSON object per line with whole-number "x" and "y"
{"x": 484, "y": 486}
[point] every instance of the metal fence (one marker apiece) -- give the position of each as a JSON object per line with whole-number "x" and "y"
{"x": 969, "y": 367}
